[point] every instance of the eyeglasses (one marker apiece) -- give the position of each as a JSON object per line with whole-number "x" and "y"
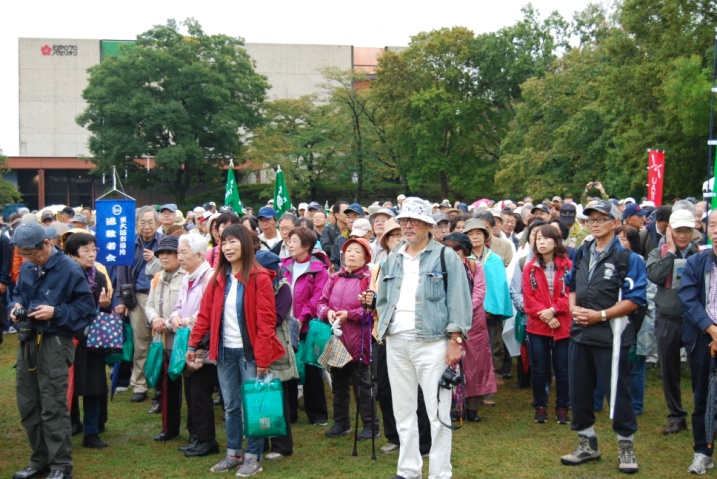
{"x": 395, "y": 235}
{"x": 412, "y": 221}
{"x": 146, "y": 223}
{"x": 598, "y": 221}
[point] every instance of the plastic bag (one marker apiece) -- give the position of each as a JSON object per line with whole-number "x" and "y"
{"x": 178, "y": 360}
{"x": 128, "y": 345}
{"x": 316, "y": 339}
{"x": 519, "y": 328}
{"x": 263, "y": 402}
{"x": 300, "y": 364}
{"x": 153, "y": 366}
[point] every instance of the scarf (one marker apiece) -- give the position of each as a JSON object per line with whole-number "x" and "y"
{"x": 90, "y": 275}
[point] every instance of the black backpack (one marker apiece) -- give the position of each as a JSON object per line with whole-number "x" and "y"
{"x": 623, "y": 261}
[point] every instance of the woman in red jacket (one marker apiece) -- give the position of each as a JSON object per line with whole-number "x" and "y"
{"x": 545, "y": 297}
{"x": 239, "y": 313}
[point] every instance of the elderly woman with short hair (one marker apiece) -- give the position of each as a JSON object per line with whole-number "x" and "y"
{"x": 198, "y": 386}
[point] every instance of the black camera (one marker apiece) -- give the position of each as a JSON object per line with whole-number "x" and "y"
{"x": 449, "y": 379}
{"x": 24, "y": 325}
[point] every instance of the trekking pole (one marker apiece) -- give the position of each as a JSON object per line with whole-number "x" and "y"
{"x": 358, "y": 398}
{"x": 373, "y": 398}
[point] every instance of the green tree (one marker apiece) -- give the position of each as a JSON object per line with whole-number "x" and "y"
{"x": 305, "y": 138}
{"x": 181, "y": 99}
{"x": 8, "y": 192}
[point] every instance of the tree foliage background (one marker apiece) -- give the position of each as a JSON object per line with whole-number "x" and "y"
{"x": 537, "y": 108}
{"x": 182, "y": 98}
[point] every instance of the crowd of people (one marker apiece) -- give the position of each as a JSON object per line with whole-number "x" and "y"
{"x": 436, "y": 300}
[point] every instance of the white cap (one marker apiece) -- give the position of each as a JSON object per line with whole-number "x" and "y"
{"x": 360, "y": 227}
{"x": 682, "y": 219}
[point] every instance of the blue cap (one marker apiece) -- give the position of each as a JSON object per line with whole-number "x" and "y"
{"x": 632, "y": 209}
{"x": 356, "y": 208}
{"x": 266, "y": 212}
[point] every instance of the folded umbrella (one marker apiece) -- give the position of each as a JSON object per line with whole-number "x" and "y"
{"x": 711, "y": 398}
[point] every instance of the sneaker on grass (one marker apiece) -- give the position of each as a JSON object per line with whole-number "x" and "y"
{"x": 250, "y": 467}
{"x": 587, "y": 451}
{"x": 561, "y": 415}
{"x": 541, "y": 415}
{"x": 700, "y": 464}
{"x": 338, "y": 431}
{"x": 227, "y": 464}
{"x": 626, "y": 456}
{"x": 366, "y": 432}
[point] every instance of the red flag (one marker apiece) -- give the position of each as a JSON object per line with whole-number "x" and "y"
{"x": 655, "y": 175}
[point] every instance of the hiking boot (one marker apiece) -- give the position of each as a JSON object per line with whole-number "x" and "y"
{"x": 93, "y": 441}
{"x": 472, "y": 416}
{"x": 227, "y": 464}
{"x": 587, "y": 451}
{"x": 250, "y": 467}
{"x": 366, "y": 433}
{"x": 561, "y": 415}
{"x": 700, "y": 464}
{"x": 338, "y": 431}
{"x": 541, "y": 415}
{"x": 626, "y": 456}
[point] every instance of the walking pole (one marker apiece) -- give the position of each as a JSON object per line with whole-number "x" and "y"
{"x": 373, "y": 397}
{"x": 358, "y": 398}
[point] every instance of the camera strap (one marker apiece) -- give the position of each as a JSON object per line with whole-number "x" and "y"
{"x": 438, "y": 402}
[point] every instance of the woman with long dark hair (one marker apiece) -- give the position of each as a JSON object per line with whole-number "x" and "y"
{"x": 239, "y": 312}
{"x": 545, "y": 298}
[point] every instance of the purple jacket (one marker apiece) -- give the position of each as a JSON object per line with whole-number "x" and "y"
{"x": 341, "y": 294}
{"x": 308, "y": 286}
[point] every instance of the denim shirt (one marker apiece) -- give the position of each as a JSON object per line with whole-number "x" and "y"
{"x": 240, "y": 312}
{"x": 440, "y": 310}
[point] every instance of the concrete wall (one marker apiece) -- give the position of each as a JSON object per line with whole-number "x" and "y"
{"x": 52, "y": 76}
{"x": 294, "y": 70}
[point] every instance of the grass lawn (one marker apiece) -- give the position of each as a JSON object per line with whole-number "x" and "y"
{"x": 506, "y": 444}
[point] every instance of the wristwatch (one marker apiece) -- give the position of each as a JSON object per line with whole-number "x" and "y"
{"x": 457, "y": 339}
{"x": 603, "y": 315}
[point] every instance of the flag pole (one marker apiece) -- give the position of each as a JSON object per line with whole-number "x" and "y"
{"x": 712, "y": 141}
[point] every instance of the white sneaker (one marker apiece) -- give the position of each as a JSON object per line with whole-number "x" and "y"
{"x": 700, "y": 464}
{"x": 273, "y": 456}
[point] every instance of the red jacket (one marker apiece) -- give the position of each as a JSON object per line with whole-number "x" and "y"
{"x": 259, "y": 314}
{"x": 536, "y": 297}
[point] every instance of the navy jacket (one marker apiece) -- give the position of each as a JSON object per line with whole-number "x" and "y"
{"x": 61, "y": 283}
{"x": 694, "y": 287}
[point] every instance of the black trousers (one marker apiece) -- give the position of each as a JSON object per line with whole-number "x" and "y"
{"x": 383, "y": 395}
{"x": 284, "y": 444}
{"x": 585, "y": 363}
{"x": 699, "y": 359}
{"x": 171, "y": 398}
{"x": 667, "y": 335}
{"x": 314, "y": 395}
{"x": 356, "y": 376}
{"x": 198, "y": 390}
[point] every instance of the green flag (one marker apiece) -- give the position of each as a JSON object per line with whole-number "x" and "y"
{"x": 231, "y": 195}
{"x": 282, "y": 202}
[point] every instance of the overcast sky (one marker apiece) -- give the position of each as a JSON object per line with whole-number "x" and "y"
{"x": 365, "y": 23}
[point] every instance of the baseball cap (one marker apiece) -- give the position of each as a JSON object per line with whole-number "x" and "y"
{"x": 445, "y": 204}
{"x": 78, "y": 219}
{"x": 605, "y": 207}
{"x": 355, "y": 207}
{"x": 541, "y": 207}
{"x": 29, "y": 235}
{"x": 401, "y": 197}
{"x": 682, "y": 219}
{"x": 169, "y": 206}
{"x": 416, "y": 208}
{"x": 568, "y": 211}
{"x": 633, "y": 209}
{"x": 266, "y": 212}
{"x": 557, "y": 199}
{"x": 314, "y": 205}
{"x": 360, "y": 227}
{"x": 47, "y": 215}
{"x": 438, "y": 217}
{"x": 382, "y": 211}
{"x": 68, "y": 211}
{"x": 302, "y": 206}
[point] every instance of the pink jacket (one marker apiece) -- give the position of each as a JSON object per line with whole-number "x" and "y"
{"x": 308, "y": 287}
{"x": 341, "y": 294}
